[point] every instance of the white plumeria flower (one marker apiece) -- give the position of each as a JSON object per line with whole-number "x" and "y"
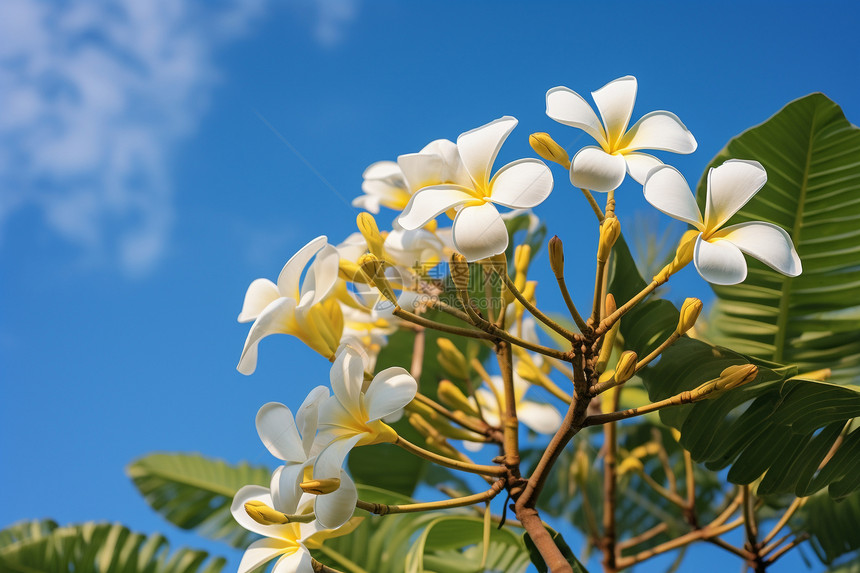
{"x": 290, "y": 541}
{"x": 391, "y": 184}
{"x": 294, "y": 306}
{"x": 603, "y": 168}
{"x": 293, "y": 441}
{"x": 352, "y": 417}
{"x": 540, "y": 417}
{"x": 718, "y": 252}
{"x": 479, "y": 231}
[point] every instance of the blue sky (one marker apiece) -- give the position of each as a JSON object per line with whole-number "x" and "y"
{"x": 156, "y": 157}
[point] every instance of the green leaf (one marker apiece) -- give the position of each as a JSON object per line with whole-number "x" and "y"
{"x": 43, "y": 547}
{"x": 195, "y": 492}
{"x": 562, "y": 545}
{"x": 833, "y": 526}
{"x": 810, "y": 152}
{"x": 384, "y": 544}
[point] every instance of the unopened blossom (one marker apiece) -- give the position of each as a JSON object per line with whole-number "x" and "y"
{"x": 289, "y": 541}
{"x": 391, "y": 184}
{"x": 718, "y": 253}
{"x": 604, "y": 168}
{"x": 479, "y": 231}
{"x": 293, "y": 441}
{"x": 293, "y": 306}
{"x": 353, "y": 417}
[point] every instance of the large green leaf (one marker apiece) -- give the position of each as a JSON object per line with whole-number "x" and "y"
{"x": 432, "y": 541}
{"x": 43, "y": 547}
{"x": 833, "y": 527}
{"x": 195, "y": 492}
{"x": 812, "y": 157}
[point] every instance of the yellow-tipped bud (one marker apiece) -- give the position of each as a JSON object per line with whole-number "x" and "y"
{"x": 451, "y": 359}
{"x": 626, "y": 367}
{"x": 645, "y": 450}
{"x": 421, "y": 409}
{"x": 730, "y": 378}
{"x": 370, "y": 231}
{"x": 375, "y": 271}
{"x": 522, "y": 258}
{"x": 580, "y": 466}
{"x": 263, "y": 514}
{"x": 630, "y": 465}
{"x": 460, "y": 272}
{"x": 683, "y": 256}
{"x": 608, "y": 344}
{"x": 556, "y": 256}
{"x": 610, "y": 306}
{"x": 690, "y": 311}
{"x": 351, "y": 272}
{"x": 610, "y": 230}
{"x": 454, "y": 398}
{"x": 675, "y": 434}
{"x": 320, "y": 486}
{"x": 546, "y": 147}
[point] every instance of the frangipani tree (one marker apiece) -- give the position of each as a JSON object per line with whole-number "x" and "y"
{"x": 629, "y": 420}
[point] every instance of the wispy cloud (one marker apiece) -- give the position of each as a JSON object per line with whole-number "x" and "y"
{"x": 93, "y": 98}
{"x": 333, "y": 18}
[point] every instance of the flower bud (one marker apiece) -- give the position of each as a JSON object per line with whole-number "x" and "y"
{"x": 730, "y": 378}
{"x": 580, "y": 466}
{"x": 451, "y": 359}
{"x": 610, "y": 306}
{"x": 626, "y": 367}
{"x": 460, "y": 272}
{"x": 690, "y": 311}
{"x": 370, "y": 231}
{"x": 454, "y": 398}
{"x": 522, "y": 257}
{"x": 607, "y": 345}
{"x": 610, "y": 230}
{"x": 263, "y": 514}
{"x": 556, "y": 256}
{"x": 630, "y": 465}
{"x": 546, "y": 147}
{"x": 320, "y": 486}
{"x": 375, "y": 271}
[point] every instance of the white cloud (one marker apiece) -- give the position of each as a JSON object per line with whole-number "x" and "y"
{"x": 333, "y": 16}
{"x": 93, "y": 98}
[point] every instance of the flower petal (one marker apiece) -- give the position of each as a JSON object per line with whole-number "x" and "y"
{"x": 615, "y": 103}
{"x": 286, "y": 492}
{"x": 661, "y": 130}
{"x": 667, "y": 190}
{"x": 296, "y": 562}
{"x": 307, "y": 416}
{"x": 768, "y": 243}
{"x": 429, "y": 202}
{"x": 369, "y": 203}
{"x": 730, "y": 186}
{"x": 522, "y": 184}
{"x": 389, "y": 170}
{"x": 329, "y": 463}
{"x": 389, "y": 391}
{"x": 260, "y": 294}
{"x": 639, "y": 164}
{"x": 542, "y": 418}
{"x": 479, "y": 232}
{"x": 256, "y": 493}
{"x": 478, "y": 147}
{"x": 719, "y": 262}
{"x": 288, "y": 280}
{"x": 278, "y": 431}
{"x": 421, "y": 170}
{"x": 453, "y": 169}
{"x": 277, "y": 318}
{"x": 335, "y": 508}
{"x": 594, "y": 169}
{"x": 260, "y": 552}
{"x": 568, "y": 107}
{"x": 346, "y": 377}
{"x": 322, "y": 276}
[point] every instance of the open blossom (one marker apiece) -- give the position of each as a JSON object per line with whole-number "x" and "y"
{"x": 352, "y": 417}
{"x": 718, "y": 252}
{"x": 293, "y": 441}
{"x": 603, "y": 168}
{"x": 289, "y": 541}
{"x": 391, "y": 184}
{"x": 479, "y": 231}
{"x": 293, "y": 306}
